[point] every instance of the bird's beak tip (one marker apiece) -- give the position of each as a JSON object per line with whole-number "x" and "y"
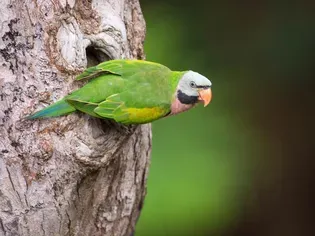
{"x": 205, "y": 95}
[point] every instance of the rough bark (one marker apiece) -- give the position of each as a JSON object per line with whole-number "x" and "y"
{"x": 73, "y": 175}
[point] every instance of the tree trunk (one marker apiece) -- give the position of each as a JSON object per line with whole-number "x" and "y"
{"x": 70, "y": 175}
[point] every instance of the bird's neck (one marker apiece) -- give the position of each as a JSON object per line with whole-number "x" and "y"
{"x": 178, "y": 107}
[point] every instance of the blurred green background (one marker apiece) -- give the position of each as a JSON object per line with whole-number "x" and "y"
{"x": 239, "y": 166}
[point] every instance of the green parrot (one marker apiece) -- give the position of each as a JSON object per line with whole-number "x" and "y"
{"x": 132, "y": 92}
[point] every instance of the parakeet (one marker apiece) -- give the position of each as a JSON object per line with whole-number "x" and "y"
{"x": 133, "y": 92}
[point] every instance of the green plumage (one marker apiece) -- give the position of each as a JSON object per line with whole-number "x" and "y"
{"x": 128, "y": 91}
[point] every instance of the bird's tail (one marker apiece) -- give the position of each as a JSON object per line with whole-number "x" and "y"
{"x": 57, "y": 109}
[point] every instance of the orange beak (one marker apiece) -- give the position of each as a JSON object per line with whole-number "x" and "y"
{"x": 205, "y": 95}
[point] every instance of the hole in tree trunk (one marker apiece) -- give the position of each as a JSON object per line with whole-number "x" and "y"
{"x": 95, "y": 56}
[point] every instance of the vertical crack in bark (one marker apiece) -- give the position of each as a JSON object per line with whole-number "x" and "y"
{"x": 42, "y": 224}
{"x": 69, "y": 222}
{"x": 12, "y": 184}
{"x": 25, "y": 198}
{"x": 2, "y": 227}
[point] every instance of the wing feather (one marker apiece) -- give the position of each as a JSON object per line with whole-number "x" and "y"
{"x": 121, "y": 67}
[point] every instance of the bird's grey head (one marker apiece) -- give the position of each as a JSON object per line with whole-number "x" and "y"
{"x": 194, "y": 87}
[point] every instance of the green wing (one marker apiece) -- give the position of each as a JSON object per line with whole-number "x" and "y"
{"x": 87, "y": 98}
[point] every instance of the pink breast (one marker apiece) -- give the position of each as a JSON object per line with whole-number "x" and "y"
{"x": 178, "y": 107}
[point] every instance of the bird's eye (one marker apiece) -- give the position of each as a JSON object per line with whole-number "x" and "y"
{"x": 192, "y": 84}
